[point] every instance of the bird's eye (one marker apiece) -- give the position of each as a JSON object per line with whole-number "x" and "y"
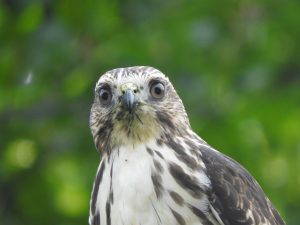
{"x": 105, "y": 95}
{"x": 157, "y": 90}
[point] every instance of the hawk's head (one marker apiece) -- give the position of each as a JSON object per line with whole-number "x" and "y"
{"x": 133, "y": 105}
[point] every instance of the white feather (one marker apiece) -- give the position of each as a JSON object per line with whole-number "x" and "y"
{"x": 135, "y": 200}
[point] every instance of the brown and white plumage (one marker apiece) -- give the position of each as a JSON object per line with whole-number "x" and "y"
{"x": 154, "y": 169}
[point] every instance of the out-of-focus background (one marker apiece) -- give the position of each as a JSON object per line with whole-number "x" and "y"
{"x": 235, "y": 64}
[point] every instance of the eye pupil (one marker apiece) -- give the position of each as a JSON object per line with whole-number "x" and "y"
{"x": 157, "y": 90}
{"x": 105, "y": 95}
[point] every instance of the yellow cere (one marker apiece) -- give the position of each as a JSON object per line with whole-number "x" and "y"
{"x": 128, "y": 86}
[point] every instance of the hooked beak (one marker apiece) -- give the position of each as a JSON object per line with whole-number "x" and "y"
{"x": 129, "y": 100}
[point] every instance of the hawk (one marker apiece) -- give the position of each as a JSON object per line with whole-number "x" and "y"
{"x": 155, "y": 169}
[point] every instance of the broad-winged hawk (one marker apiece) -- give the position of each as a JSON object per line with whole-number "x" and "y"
{"x": 154, "y": 169}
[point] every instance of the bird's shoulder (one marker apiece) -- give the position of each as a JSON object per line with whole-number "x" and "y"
{"x": 235, "y": 194}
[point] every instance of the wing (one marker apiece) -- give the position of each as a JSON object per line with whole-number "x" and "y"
{"x": 235, "y": 195}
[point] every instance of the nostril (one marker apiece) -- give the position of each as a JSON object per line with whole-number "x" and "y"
{"x": 135, "y": 91}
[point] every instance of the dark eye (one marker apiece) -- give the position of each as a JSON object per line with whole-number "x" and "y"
{"x": 105, "y": 95}
{"x": 157, "y": 90}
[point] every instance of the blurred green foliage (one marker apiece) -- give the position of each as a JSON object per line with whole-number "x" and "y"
{"x": 235, "y": 64}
